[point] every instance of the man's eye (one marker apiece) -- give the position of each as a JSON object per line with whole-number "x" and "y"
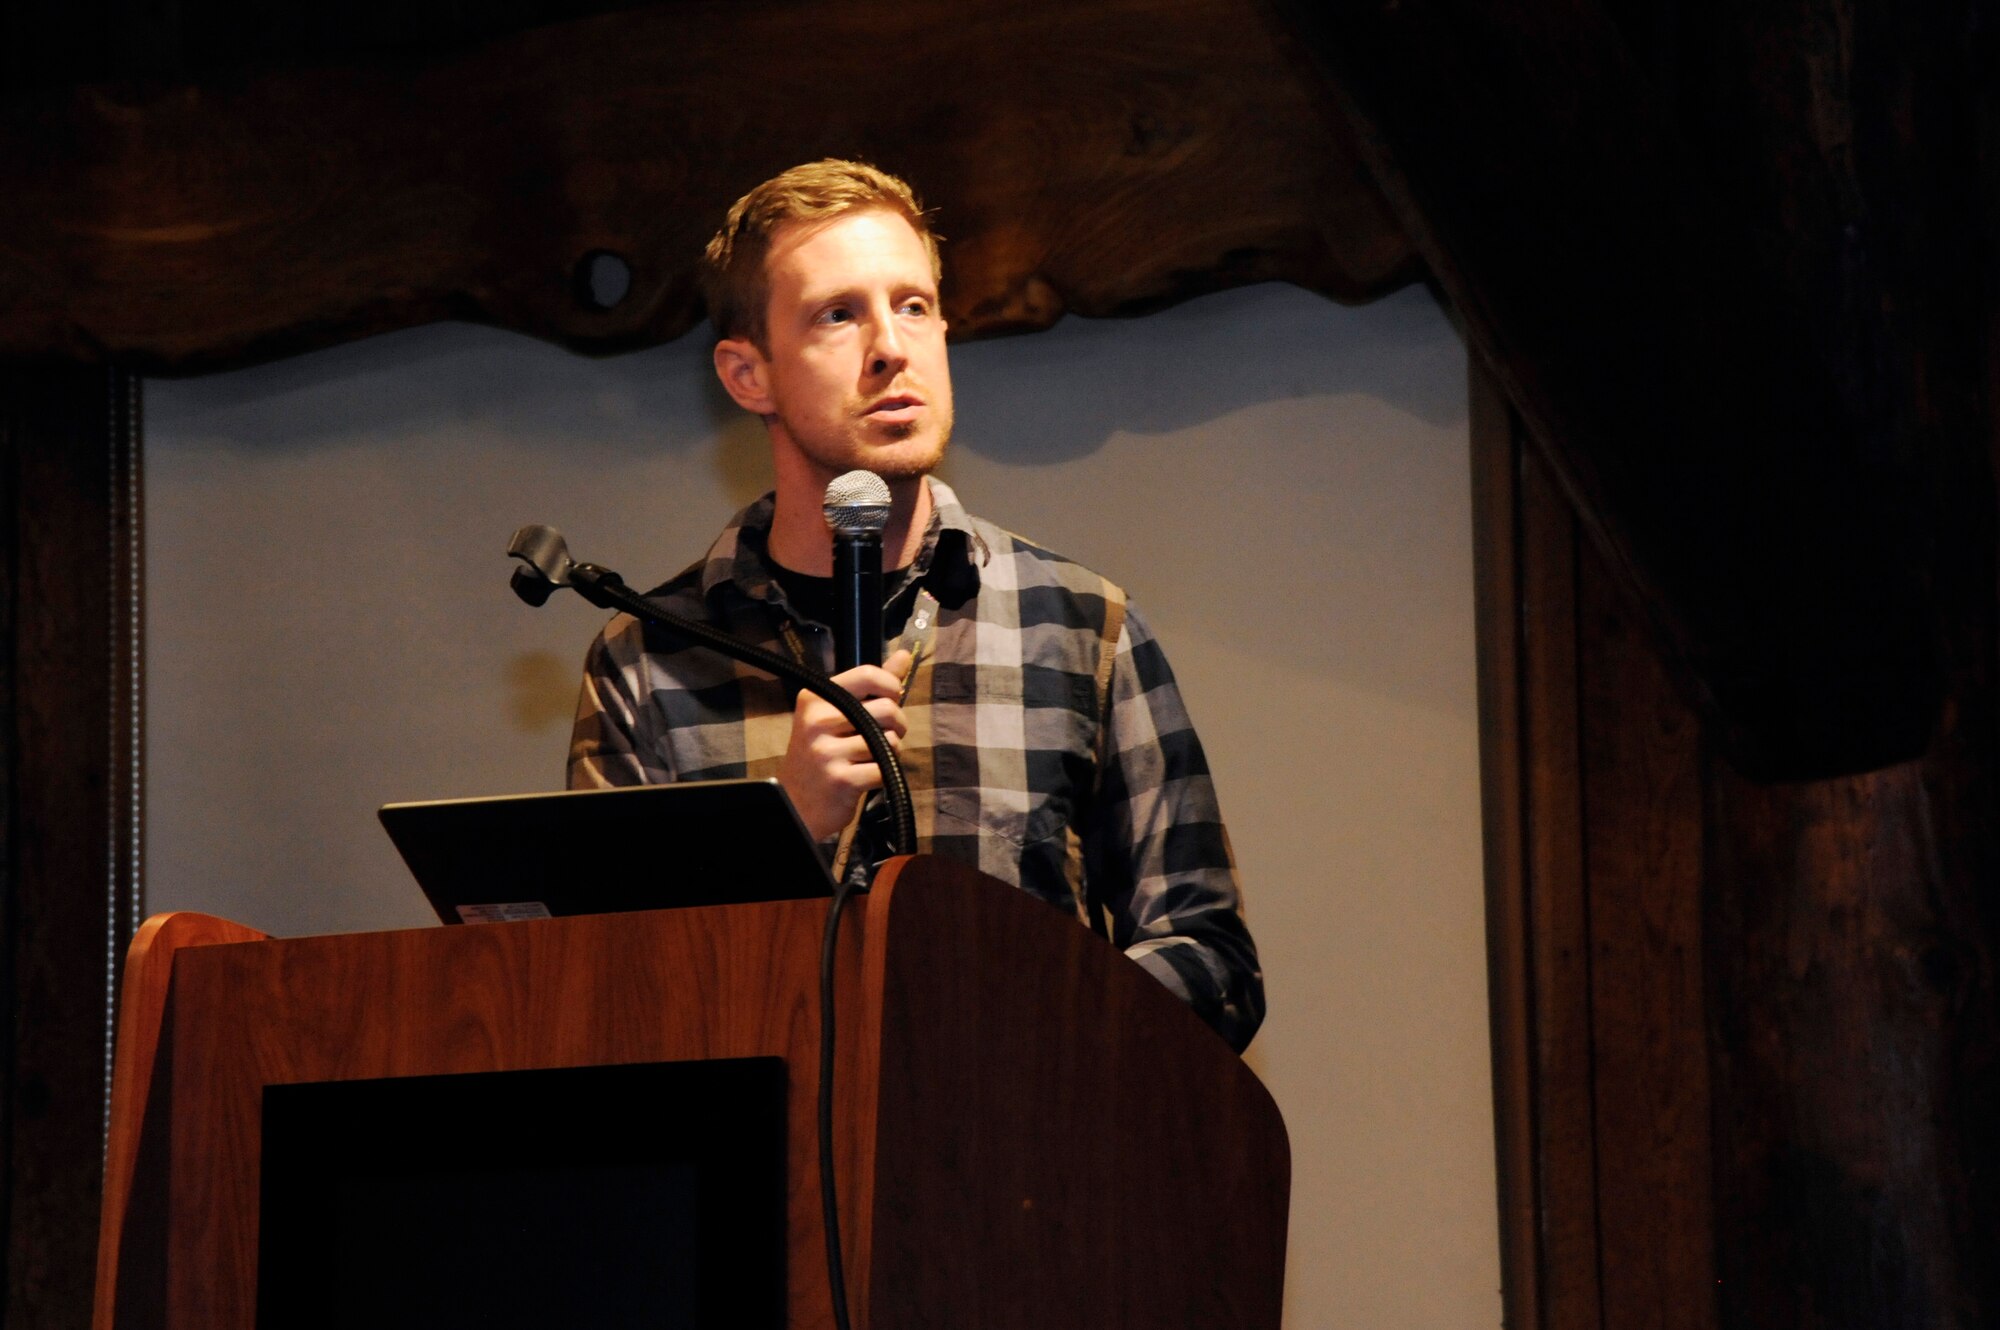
{"x": 917, "y": 307}
{"x": 838, "y": 314}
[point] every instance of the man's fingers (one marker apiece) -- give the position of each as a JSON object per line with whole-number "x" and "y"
{"x": 888, "y": 713}
{"x": 884, "y": 680}
{"x": 850, "y": 749}
{"x": 827, "y": 765}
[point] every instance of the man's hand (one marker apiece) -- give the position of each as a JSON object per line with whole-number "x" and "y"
{"x": 827, "y": 767}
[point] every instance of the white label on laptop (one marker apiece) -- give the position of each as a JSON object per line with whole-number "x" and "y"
{"x": 502, "y": 914}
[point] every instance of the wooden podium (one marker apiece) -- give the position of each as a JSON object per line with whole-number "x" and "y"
{"x": 1029, "y": 1130}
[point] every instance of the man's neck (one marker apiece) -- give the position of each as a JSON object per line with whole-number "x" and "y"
{"x": 801, "y": 542}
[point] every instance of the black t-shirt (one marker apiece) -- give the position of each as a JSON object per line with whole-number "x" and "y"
{"x": 812, "y": 597}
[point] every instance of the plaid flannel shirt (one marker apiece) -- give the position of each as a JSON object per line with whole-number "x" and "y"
{"x": 1020, "y": 761}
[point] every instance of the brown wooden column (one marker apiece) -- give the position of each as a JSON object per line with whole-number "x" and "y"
{"x": 1852, "y": 1035}
{"x": 68, "y": 620}
{"x": 1848, "y": 929}
{"x": 1747, "y": 1042}
{"x": 1593, "y": 795}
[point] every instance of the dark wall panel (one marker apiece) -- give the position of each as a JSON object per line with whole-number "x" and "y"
{"x": 1594, "y": 792}
{"x": 67, "y": 442}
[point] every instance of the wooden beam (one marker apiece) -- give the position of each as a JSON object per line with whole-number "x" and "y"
{"x": 1770, "y": 535}
{"x": 1099, "y": 159}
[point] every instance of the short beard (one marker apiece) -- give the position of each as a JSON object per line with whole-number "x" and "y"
{"x": 916, "y": 467}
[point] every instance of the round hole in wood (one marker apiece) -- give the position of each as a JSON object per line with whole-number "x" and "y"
{"x": 602, "y": 279}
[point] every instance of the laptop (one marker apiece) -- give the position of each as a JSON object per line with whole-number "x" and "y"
{"x": 646, "y": 847}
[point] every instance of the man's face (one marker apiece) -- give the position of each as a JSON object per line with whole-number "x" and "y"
{"x": 855, "y": 375}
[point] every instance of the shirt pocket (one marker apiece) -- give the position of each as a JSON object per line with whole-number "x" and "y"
{"x": 1007, "y": 758}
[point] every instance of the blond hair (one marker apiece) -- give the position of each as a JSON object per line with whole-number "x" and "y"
{"x": 734, "y": 282}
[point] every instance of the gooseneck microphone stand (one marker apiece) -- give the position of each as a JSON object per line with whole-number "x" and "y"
{"x": 545, "y": 567}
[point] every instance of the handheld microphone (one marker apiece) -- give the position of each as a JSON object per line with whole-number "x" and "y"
{"x": 857, "y": 510}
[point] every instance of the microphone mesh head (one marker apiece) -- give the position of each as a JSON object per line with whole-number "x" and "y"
{"x": 857, "y": 504}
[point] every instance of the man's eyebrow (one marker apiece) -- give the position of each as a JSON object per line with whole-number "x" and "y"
{"x": 834, "y": 295}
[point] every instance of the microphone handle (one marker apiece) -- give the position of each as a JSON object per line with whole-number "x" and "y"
{"x": 857, "y": 601}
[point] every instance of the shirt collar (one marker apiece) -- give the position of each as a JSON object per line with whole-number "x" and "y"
{"x": 951, "y": 549}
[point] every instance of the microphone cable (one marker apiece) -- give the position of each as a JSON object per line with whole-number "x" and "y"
{"x": 545, "y": 566}
{"x": 836, "y": 1263}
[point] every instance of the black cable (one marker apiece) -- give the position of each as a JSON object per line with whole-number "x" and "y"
{"x": 607, "y": 590}
{"x": 836, "y": 1266}
{"x": 594, "y": 582}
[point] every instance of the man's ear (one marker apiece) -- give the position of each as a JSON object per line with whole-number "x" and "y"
{"x": 745, "y": 374}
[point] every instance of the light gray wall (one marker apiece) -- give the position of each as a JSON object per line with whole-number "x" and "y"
{"x": 1280, "y": 482}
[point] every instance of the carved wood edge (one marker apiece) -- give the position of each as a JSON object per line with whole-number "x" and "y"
{"x": 1103, "y": 159}
{"x": 136, "y": 1073}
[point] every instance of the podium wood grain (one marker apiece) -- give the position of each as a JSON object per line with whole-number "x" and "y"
{"x": 1060, "y": 1141}
{"x": 132, "y": 1276}
{"x": 1029, "y": 1129}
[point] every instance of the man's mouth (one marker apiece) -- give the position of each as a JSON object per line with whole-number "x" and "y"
{"x": 896, "y": 410}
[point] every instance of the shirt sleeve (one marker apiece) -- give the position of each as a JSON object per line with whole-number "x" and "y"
{"x": 607, "y": 746}
{"x": 1158, "y": 849}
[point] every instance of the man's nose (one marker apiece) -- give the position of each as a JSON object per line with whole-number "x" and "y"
{"x": 886, "y": 353}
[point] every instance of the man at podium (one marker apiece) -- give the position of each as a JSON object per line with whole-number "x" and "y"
{"x": 1042, "y": 732}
